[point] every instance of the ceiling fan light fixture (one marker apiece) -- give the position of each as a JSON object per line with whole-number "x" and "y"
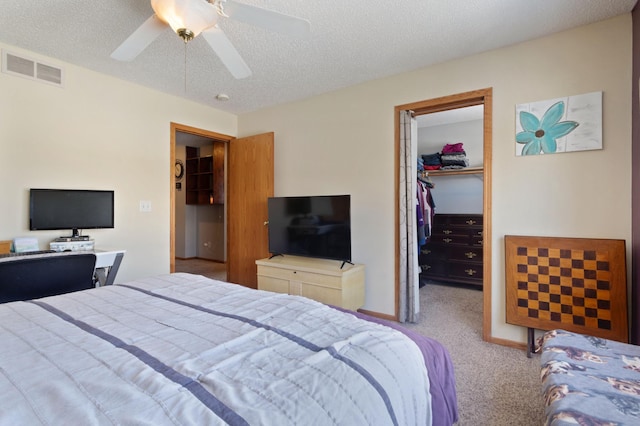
{"x": 185, "y": 34}
{"x": 187, "y": 18}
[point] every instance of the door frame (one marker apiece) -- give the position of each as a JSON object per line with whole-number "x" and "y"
{"x": 446, "y": 103}
{"x": 177, "y": 127}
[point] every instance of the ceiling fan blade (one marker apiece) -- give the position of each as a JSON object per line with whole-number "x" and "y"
{"x": 140, "y": 39}
{"x": 268, "y": 19}
{"x": 226, "y": 52}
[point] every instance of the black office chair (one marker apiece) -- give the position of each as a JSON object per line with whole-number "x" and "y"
{"x": 26, "y": 277}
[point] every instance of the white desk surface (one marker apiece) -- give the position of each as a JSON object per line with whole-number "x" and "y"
{"x": 105, "y": 258}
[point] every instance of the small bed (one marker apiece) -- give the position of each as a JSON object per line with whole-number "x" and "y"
{"x": 589, "y": 380}
{"x": 185, "y": 349}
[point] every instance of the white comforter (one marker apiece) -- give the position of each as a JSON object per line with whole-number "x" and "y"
{"x": 183, "y": 349}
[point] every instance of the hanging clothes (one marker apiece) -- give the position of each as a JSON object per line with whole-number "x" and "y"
{"x": 425, "y": 207}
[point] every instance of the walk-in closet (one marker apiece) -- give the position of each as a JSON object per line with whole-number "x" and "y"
{"x": 450, "y": 182}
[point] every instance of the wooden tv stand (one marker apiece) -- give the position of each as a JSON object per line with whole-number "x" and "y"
{"x": 318, "y": 279}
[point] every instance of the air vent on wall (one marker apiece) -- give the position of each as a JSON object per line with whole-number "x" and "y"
{"x": 31, "y": 69}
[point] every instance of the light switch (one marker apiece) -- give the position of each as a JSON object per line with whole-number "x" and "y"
{"x": 145, "y": 206}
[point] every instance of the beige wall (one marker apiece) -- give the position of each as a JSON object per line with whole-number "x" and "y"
{"x": 97, "y": 133}
{"x": 343, "y": 142}
{"x": 103, "y": 133}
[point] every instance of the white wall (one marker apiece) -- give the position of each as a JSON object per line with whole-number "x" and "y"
{"x": 458, "y": 193}
{"x": 210, "y": 231}
{"x": 470, "y": 133}
{"x": 343, "y": 142}
{"x": 97, "y": 132}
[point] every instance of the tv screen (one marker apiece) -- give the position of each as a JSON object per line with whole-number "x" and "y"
{"x": 312, "y": 226}
{"x": 75, "y": 209}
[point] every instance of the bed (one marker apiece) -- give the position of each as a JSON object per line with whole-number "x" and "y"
{"x": 588, "y": 380}
{"x": 185, "y": 349}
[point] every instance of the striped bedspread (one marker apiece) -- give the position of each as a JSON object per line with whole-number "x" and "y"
{"x": 183, "y": 349}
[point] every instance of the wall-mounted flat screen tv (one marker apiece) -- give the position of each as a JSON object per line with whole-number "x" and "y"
{"x": 75, "y": 209}
{"x": 312, "y": 226}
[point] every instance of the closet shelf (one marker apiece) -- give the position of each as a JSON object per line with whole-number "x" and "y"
{"x": 465, "y": 171}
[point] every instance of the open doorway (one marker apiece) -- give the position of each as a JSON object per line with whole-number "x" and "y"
{"x": 483, "y": 98}
{"x": 199, "y": 219}
{"x": 450, "y": 173}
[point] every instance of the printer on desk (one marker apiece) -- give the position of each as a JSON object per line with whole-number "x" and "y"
{"x": 107, "y": 261}
{"x": 68, "y": 244}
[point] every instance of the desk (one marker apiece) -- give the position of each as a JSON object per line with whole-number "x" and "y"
{"x": 107, "y": 265}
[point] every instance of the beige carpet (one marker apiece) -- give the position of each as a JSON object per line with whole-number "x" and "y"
{"x": 496, "y": 385}
{"x": 208, "y": 268}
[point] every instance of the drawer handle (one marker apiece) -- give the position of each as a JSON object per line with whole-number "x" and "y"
{"x": 480, "y": 242}
{"x": 426, "y": 251}
{"x": 470, "y": 254}
{"x": 446, "y": 231}
{"x": 470, "y": 272}
{"x": 447, "y": 240}
{"x": 426, "y": 267}
{"x": 480, "y": 233}
{"x": 471, "y": 222}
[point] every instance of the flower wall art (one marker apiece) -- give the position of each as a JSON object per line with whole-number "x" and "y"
{"x": 573, "y": 123}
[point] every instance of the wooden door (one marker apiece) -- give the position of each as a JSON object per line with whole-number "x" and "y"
{"x": 250, "y": 183}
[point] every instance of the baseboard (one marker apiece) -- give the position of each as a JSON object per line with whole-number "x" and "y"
{"x": 378, "y": 315}
{"x": 508, "y": 343}
{"x": 211, "y": 260}
{"x": 201, "y": 258}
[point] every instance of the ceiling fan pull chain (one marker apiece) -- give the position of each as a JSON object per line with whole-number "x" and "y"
{"x": 185, "y": 67}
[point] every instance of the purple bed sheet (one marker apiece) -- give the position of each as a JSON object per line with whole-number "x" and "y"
{"x": 444, "y": 401}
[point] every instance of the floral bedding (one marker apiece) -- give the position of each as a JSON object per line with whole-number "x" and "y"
{"x": 587, "y": 380}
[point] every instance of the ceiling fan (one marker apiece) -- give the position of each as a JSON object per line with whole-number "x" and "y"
{"x": 189, "y": 18}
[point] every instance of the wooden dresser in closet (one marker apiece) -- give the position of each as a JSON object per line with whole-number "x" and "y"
{"x": 454, "y": 251}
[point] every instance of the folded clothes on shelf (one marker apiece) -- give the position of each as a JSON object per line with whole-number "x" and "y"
{"x": 431, "y": 159}
{"x": 455, "y": 160}
{"x": 453, "y": 148}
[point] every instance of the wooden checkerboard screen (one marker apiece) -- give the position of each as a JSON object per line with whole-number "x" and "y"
{"x": 576, "y": 284}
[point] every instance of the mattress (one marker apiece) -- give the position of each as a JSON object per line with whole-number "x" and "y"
{"x": 185, "y": 349}
{"x": 588, "y": 380}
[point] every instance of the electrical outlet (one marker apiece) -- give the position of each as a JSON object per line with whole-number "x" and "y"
{"x": 145, "y": 206}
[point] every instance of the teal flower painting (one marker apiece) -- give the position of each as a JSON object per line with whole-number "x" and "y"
{"x": 540, "y": 128}
{"x": 541, "y": 135}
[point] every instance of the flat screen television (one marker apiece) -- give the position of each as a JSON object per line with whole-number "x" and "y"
{"x": 312, "y": 226}
{"x": 75, "y": 209}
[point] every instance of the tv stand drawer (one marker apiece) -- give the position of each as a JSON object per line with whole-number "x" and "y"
{"x": 316, "y": 279}
{"x": 276, "y": 285}
{"x": 333, "y": 281}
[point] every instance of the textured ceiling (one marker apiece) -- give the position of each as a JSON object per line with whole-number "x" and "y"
{"x": 351, "y": 41}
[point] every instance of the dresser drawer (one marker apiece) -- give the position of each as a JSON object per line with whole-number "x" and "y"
{"x": 457, "y": 238}
{"x": 432, "y": 252}
{"x": 465, "y": 220}
{"x": 466, "y": 253}
{"x": 434, "y": 268}
{"x": 467, "y": 271}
